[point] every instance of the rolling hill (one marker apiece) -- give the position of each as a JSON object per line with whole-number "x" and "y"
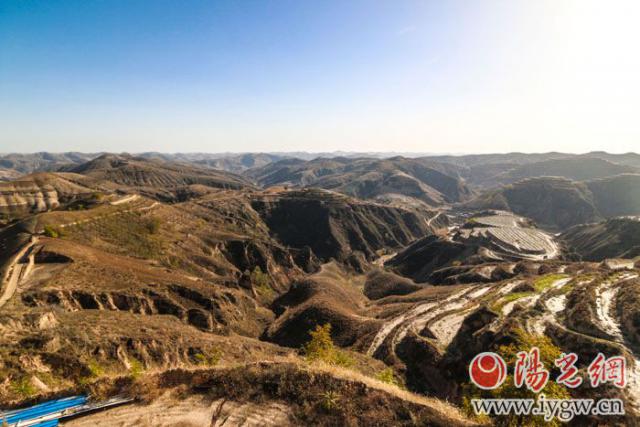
{"x": 576, "y": 169}
{"x": 367, "y": 178}
{"x": 560, "y": 203}
{"x": 614, "y": 238}
{"x": 551, "y": 202}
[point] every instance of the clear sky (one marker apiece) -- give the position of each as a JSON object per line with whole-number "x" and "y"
{"x": 269, "y": 75}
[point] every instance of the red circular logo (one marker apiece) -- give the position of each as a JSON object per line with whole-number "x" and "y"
{"x": 487, "y": 371}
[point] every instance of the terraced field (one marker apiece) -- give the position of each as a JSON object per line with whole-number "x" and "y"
{"x": 502, "y": 220}
{"x": 582, "y": 313}
{"x": 509, "y": 234}
{"x": 524, "y": 240}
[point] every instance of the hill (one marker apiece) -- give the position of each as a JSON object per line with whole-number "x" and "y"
{"x": 240, "y": 163}
{"x": 576, "y": 169}
{"x": 368, "y": 178}
{"x": 513, "y": 159}
{"x": 617, "y": 195}
{"x": 44, "y": 191}
{"x": 560, "y": 203}
{"x": 630, "y": 159}
{"x": 551, "y": 202}
{"x": 22, "y": 164}
{"x": 487, "y": 171}
{"x": 335, "y": 226}
{"x": 156, "y": 177}
{"x": 614, "y": 238}
{"x": 470, "y": 251}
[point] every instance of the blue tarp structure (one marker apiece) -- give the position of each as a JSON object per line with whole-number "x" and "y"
{"x": 43, "y": 415}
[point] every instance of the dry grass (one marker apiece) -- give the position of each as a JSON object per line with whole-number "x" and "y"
{"x": 286, "y": 371}
{"x": 444, "y": 408}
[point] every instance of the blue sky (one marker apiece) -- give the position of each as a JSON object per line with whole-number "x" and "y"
{"x": 428, "y": 76}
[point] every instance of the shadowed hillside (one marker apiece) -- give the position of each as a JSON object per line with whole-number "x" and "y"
{"x": 614, "y": 238}
{"x": 552, "y": 202}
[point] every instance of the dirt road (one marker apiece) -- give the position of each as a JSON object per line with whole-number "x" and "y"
{"x": 15, "y": 271}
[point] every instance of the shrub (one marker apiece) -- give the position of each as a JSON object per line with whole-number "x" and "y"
{"x": 342, "y": 358}
{"x": 388, "y": 376}
{"x": 136, "y": 369}
{"x": 152, "y": 225}
{"x": 262, "y": 282}
{"x": 95, "y": 369}
{"x": 50, "y": 231}
{"x": 23, "y": 387}
{"x": 320, "y": 347}
{"x": 210, "y": 359}
{"x": 330, "y": 400}
{"x": 259, "y": 278}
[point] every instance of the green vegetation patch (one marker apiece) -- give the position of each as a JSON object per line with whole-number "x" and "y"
{"x": 23, "y": 387}
{"x": 388, "y": 376}
{"x": 544, "y": 282}
{"x": 321, "y": 348}
{"x": 51, "y": 231}
{"x": 540, "y": 285}
{"x": 136, "y": 368}
{"x": 211, "y": 358}
{"x": 262, "y": 282}
{"x": 501, "y": 302}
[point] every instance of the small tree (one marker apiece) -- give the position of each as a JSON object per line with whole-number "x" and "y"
{"x": 153, "y": 225}
{"x": 321, "y": 347}
{"x": 261, "y": 282}
{"x": 387, "y": 376}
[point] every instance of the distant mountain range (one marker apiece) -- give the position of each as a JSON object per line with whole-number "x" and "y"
{"x": 475, "y": 168}
{"x": 554, "y": 189}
